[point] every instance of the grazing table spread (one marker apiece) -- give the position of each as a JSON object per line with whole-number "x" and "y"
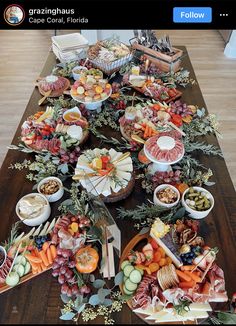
{"x": 38, "y": 300}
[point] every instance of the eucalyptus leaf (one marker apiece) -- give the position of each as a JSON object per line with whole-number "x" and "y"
{"x": 180, "y": 213}
{"x": 65, "y": 298}
{"x": 98, "y": 283}
{"x": 107, "y": 302}
{"x": 119, "y": 278}
{"x": 209, "y": 183}
{"x": 63, "y": 168}
{"x": 80, "y": 308}
{"x": 102, "y": 293}
{"x": 68, "y": 316}
{"x": 91, "y": 278}
{"x": 78, "y": 301}
{"x": 94, "y": 300}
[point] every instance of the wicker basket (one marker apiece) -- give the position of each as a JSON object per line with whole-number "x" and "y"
{"x": 111, "y": 67}
{"x": 163, "y": 61}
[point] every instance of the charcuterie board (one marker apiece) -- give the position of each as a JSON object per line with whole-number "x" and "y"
{"x": 134, "y": 244}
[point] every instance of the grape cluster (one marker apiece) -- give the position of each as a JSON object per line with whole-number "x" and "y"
{"x": 120, "y": 105}
{"x": 63, "y": 270}
{"x": 85, "y": 113}
{"x": 40, "y": 239}
{"x": 166, "y": 177}
{"x": 69, "y": 157}
{"x": 188, "y": 258}
{"x": 178, "y": 107}
{"x": 152, "y": 68}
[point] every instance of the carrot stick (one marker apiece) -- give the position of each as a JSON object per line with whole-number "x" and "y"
{"x": 44, "y": 258}
{"x": 190, "y": 284}
{"x": 39, "y": 270}
{"x": 32, "y": 258}
{"x": 43, "y": 267}
{"x": 193, "y": 276}
{"x": 146, "y": 132}
{"x": 183, "y": 275}
{"x": 149, "y": 132}
{"x": 45, "y": 246}
{"x": 49, "y": 256}
{"x": 53, "y": 251}
{"x": 187, "y": 267}
{"x": 34, "y": 265}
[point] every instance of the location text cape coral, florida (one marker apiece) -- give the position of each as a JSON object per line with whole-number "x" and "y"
{"x": 65, "y": 16}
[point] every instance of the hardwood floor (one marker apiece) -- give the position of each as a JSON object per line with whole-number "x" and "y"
{"x": 23, "y": 54}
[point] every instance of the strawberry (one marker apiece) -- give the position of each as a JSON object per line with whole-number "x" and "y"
{"x": 154, "y": 244}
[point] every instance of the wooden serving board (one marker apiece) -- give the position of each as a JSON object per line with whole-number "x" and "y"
{"x": 131, "y": 246}
{"x": 140, "y": 90}
{"x": 54, "y": 93}
{"x": 29, "y": 276}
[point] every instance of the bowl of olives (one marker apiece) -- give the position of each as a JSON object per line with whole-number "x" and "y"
{"x": 198, "y": 202}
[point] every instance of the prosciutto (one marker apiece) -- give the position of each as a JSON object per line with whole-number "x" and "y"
{"x": 57, "y": 85}
{"x": 143, "y": 295}
{"x": 4, "y": 270}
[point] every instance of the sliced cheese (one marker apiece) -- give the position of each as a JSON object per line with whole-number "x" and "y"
{"x": 200, "y": 307}
{"x": 123, "y": 175}
{"x": 147, "y": 311}
{"x": 175, "y": 260}
{"x": 192, "y": 315}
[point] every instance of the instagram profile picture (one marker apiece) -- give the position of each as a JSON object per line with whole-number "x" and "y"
{"x": 14, "y": 15}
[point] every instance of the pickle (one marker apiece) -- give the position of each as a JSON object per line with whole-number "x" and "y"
{"x": 199, "y": 202}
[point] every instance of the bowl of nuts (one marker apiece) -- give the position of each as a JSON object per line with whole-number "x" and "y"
{"x": 166, "y": 195}
{"x": 51, "y": 188}
{"x": 198, "y": 202}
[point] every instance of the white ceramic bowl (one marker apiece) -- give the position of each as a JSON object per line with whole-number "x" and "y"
{"x": 160, "y": 203}
{"x": 3, "y": 251}
{"x": 39, "y": 219}
{"x": 91, "y": 105}
{"x": 57, "y": 195}
{"x": 77, "y": 76}
{"x": 194, "y": 213}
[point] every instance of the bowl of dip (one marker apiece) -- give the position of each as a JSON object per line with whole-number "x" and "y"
{"x": 33, "y": 209}
{"x": 77, "y": 71}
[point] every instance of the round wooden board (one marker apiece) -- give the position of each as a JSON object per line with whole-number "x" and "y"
{"x": 131, "y": 246}
{"x": 120, "y": 195}
{"x": 54, "y": 93}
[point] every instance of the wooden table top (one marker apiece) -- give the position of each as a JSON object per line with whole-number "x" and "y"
{"x": 38, "y": 300}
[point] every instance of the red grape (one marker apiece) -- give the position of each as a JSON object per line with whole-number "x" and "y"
{"x": 61, "y": 279}
{"x": 56, "y": 272}
{"x": 64, "y": 288}
{"x": 69, "y": 293}
{"x": 63, "y": 270}
{"x": 71, "y": 264}
{"x": 69, "y": 273}
{"x": 55, "y": 265}
{"x": 75, "y": 289}
{"x": 85, "y": 289}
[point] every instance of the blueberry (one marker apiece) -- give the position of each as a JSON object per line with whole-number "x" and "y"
{"x": 31, "y": 237}
{"x": 48, "y": 237}
{"x": 37, "y": 241}
{"x": 189, "y": 261}
{"x": 44, "y": 238}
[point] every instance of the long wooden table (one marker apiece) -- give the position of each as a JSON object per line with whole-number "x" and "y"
{"x": 38, "y": 301}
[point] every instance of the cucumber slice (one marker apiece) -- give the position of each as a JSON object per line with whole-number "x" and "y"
{"x": 12, "y": 279}
{"x": 125, "y": 278}
{"x": 140, "y": 270}
{"x": 135, "y": 276}
{"x": 19, "y": 269}
{"x": 20, "y": 260}
{"x": 130, "y": 286}
{"x": 124, "y": 263}
{"x": 128, "y": 269}
{"x": 27, "y": 268}
{"x": 127, "y": 291}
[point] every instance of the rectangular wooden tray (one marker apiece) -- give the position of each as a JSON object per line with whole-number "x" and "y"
{"x": 4, "y": 287}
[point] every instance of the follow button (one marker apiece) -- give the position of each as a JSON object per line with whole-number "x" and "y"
{"x": 192, "y": 15}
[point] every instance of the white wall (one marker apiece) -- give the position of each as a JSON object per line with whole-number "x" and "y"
{"x": 100, "y": 34}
